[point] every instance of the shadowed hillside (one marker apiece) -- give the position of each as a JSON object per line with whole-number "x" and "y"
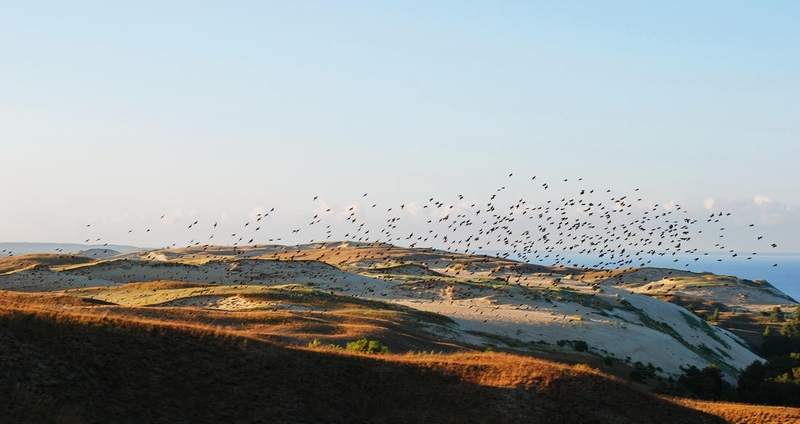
{"x": 80, "y": 368}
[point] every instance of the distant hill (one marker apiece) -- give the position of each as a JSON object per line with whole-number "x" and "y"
{"x": 22, "y": 248}
{"x": 98, "y": 253}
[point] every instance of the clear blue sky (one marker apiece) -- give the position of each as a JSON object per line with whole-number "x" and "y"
{"x": 113, "y": 115}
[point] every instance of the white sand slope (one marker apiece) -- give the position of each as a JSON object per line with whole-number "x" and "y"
{"x": 732, "y": 291}
{"x": 638, "y": 332}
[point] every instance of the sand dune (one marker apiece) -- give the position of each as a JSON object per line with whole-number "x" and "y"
{"x": 491, "y": 301}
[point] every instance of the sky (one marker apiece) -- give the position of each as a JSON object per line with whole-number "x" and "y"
{"x": 121, "y": 117}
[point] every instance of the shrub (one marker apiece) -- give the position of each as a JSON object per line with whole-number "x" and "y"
{"x": 584, "y": 367}
{"x": 707, "y": 383}
{"x": 791, "y": 330}
{"x": 317, "y": 344}
{"x": 776, "y": 315}
{"x": 578, "y": 345}
{"x": 782, "y": 344}
{"x": 367, "y": 346}
{"x": 776, "y": 382}
{"x": 642, "y": 372}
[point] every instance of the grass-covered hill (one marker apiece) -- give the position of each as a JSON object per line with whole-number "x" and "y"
{"x": 67, "y": 361}
{"x": 260, "y": 334}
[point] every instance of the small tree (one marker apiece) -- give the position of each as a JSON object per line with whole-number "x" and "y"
{"x": 777, "y": 315}
{"x": 706, "y": 383}
{"x": 791, "y": 330}
{"x": 715, "y": 316}
{"x": 580, "y": 345}
{"x": 367, "y": 346}
{"x": 750, "y": 379}
{"x": 642, "y": 372}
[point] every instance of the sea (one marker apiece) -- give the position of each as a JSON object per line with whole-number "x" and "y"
{"x": 781, "y": 270}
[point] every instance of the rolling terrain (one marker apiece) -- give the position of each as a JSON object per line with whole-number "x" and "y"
{"x": 261, "y": 330}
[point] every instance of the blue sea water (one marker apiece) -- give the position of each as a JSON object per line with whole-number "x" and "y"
{"x": 781, "y": 270}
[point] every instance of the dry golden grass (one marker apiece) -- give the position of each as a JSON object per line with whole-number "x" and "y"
{"x": 334, "y": 319}
{"x": 86, "y": 365}
{"x": 743, "y": 413}
{"x": 17, "y": 263}
{"x": 87, "y": 362}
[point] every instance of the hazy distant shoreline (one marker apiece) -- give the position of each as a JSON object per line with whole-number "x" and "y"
{"x": 23, "y": 248}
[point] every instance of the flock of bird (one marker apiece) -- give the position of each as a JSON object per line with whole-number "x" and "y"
{"x": 511, "y": 262}
{"x": 589, "y": 229}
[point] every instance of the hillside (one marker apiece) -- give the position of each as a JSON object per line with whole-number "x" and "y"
{"x": 269, "y": 303}
{"x": 85, "y": 366}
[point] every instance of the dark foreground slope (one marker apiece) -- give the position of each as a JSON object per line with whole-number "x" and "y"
{"x": 60, "y": 366}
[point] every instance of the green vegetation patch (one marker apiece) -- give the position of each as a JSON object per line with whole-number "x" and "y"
{"x": 577, "y": 345}
{"x": 568, "y": 294}
{"x": 494, "y": 340}
{"x": 368, "y": 347}
{"x": 699, "y": 324}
